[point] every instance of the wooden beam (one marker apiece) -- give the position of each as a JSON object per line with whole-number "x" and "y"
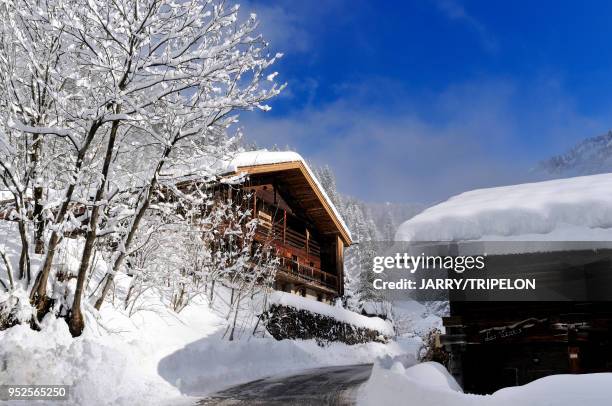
{"x": 340, "y": 265}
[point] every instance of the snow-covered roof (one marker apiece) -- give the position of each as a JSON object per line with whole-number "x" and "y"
{"x": 265, "y": 157}
{"x": 573, "y": 209}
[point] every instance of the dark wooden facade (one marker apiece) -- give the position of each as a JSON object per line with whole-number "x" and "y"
{"x": 496, "y": 344}
{"x": 499, "y": 344}
{"x": 299, "y": 222}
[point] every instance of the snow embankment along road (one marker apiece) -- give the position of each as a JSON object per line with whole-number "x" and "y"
{"x": 213, "y": 364}
{"x": 429, "y": 384}
{"x": 573, "y": 209}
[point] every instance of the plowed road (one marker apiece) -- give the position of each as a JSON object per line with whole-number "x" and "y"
{"x": 322, "y": 386}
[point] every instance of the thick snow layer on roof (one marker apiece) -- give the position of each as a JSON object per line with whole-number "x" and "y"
{"x": 337, "y": 313}
{"x": 265, "y": 157}
{"x": 573, "y": 209}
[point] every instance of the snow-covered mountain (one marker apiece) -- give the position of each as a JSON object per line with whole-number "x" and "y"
{"x": 590, "y": 156}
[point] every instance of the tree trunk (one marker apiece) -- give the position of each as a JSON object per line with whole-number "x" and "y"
{"x": 231, "y": 336}
{"x": 76, "y": 323}
{"x": 38, "y": 294}
{"x": 24, "y": 257}
{"x": 9, "y": 269}
{"x": 212, "y": 294}
{"x": 39, "y": 225}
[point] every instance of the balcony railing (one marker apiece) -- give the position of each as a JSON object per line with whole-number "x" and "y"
{"x": 274, "y": 232}
{"x": 308, "y": 273}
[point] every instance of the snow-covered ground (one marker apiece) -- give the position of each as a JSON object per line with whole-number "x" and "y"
{"x": 429, "y": 384}
{"x": 412, "y": 317}
{"x": 159, "y": 357}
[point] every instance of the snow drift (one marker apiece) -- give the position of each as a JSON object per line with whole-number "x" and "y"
{"x": 429, "y": 384}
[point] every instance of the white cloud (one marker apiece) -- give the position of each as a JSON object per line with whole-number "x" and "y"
{"x": 423, "y": 149}
{"x": 455, "y": 11}
{"x": 282, "y": 24}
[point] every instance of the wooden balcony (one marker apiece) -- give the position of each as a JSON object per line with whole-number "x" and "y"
{"x": 278, "y": 235}
{"x": 300, "y": 256}
{"x": 308, "y": 274}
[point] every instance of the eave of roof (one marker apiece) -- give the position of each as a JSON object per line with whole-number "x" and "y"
{"x": 268, "y": 167}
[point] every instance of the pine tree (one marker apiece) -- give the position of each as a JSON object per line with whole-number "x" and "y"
{"x": 358, "y": 258}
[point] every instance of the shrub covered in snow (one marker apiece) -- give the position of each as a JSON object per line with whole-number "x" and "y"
{"x": 284, "y": 322}
{"x": 290, "y": 316}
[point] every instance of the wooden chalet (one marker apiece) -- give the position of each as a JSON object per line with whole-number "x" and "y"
{"x": 298, "y": 219}
{"x": 499, "y": 344}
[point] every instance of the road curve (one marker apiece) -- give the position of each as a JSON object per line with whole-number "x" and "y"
{"x": 335, "y": 386}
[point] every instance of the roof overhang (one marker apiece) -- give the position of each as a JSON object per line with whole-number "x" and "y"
{"x": 325, "y": 205}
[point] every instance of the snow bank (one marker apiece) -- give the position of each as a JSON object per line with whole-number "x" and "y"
{"x": 337, "y": 313}
{"x": 157, "y": 357}
{"x": 98, "y": 372}
{"x": 574, "y": 209}
{"x": 429, "y": 384}
{"x": 210, "y": 365}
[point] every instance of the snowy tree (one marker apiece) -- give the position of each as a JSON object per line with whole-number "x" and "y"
{"x": 88, "y": 86}
{"x": 358, "y": 257}
{"x": 179, "y": 254}
{"x": 326, "y": 177}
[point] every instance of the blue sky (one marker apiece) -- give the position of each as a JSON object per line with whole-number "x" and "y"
{"x": 414, "y": 101}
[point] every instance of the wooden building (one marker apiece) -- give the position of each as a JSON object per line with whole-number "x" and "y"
{"x": 298, "y": 219}
{"x": 557, "y": 232}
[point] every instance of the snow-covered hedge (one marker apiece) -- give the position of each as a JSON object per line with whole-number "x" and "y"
{"x": 293, "y": 317}
{"x": 335, "y": 312}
